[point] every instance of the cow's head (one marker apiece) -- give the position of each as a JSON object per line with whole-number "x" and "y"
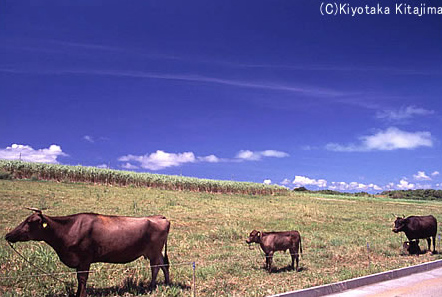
{"x": 254, "y": 236}
{"x": 400, "y": 224}
{"x": 32, "y": 228}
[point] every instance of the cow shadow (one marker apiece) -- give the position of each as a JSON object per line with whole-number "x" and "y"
{"x": 421, "y": 252}
{"x": 130, "y": 286}
{"x": 285, "y": 269}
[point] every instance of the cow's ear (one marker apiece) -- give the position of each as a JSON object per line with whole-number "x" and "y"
{"x": 43, "y": 221}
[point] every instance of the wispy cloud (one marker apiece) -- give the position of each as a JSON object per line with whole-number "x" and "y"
{"x": 388, "y": 140}
{"x": 258, "y": 155}
{"x": 29, "y": 154}
{"x": 94, "y": 139}
{"x": 215, "y": 80}
{"x": 403, "y": 113}
{"x": 89, "y": 138}
{"x": 264, "y": 85}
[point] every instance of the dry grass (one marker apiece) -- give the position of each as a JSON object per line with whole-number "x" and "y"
{"x": 210, "y": 229}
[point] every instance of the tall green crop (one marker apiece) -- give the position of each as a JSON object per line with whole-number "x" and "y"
{"x": 66, "y": 173}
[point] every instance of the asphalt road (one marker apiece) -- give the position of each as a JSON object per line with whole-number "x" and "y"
{"x": 428, "y": 284}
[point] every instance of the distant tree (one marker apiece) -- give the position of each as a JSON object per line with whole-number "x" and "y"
{"x": 300, "y": 189}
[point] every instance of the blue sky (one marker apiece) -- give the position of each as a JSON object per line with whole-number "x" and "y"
{"x": 261, "y": 91}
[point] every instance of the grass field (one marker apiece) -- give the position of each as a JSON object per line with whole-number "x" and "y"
{"x": 210, "y": 229}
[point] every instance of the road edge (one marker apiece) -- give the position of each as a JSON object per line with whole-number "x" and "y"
{"x": 361, "y": 281}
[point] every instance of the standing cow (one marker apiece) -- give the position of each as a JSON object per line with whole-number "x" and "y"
{"x": 85, "y": 238}
{"x": 418, "y": 227}
{"x": 271, "y": 242}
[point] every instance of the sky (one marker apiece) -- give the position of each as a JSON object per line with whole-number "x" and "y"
{"x": 327, "y": 95}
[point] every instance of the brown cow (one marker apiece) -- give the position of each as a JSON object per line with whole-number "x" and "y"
{"x": 271, "y": 242}
{"x": 418, "y": 227}
{"x": 85, "y": 238}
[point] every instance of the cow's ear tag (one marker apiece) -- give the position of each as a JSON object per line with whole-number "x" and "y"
{"x": 45, "y": 225}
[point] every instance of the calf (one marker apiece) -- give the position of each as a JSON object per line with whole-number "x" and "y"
{"x": 86, "y": 238}
{"x": 271, "y": 242}
{"x": 418, "y": 227}
{"x": 412, "y": 247}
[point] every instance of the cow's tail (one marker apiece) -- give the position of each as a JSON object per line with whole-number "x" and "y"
{"x": 165, "y": 258}
{"x": 300, "y": 244}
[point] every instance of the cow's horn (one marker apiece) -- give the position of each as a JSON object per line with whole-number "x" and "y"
{"x": 34, "y": 209}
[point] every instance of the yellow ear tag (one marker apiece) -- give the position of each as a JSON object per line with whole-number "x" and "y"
{"x": 45, "y": 225}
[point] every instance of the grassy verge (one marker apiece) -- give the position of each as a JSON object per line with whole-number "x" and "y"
{"x": 210, "y": 229}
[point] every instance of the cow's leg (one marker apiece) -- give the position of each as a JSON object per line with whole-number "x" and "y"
{"x": 82, "y": 275}
{"x": 155, "y": 264}
{"x": 295, "y": 257}
{"x": 267, "y": 261}
{"x": 434, "y": 244}
{"x": 270, "y": 258}
{"x": 165, "y": 268}
{"x": 292, "y": 254}
{"x": 429, "y": 243}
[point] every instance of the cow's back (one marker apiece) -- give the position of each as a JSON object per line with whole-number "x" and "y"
{"x": 280, "y": 241}
{"x": 421, "y": 227}
{"x": 119, "y": 239}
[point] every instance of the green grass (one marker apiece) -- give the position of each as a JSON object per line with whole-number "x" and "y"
{"x": 211, "y": 229}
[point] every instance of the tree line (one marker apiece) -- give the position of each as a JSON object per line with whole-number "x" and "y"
{"x": 419, "y": 194}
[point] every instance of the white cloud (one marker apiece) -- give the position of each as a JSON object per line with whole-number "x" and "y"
{"x": 390, "y": 139}
{"x": 435, "y": 173}
{"x": 338, "y": 186}
{"x": 129, "y": 166}
{"x": 301, "y": 181}
{"x": 27, "y": 153}
{"x": 376, "y": 187}
{"x": 353, "y": 186}
{"x": 286, "y": 182}
{"x": 420, "y": 175}
{"x": 209, "y": 159}
{"x": 89, "y": 138}
{"x": 258, "y": 155}
{"x": 158, "y": 160}
{"x": 103, "y": 166}
{"x": 403, "y": 113}
{"x": 267, "y": 181}
{"x": 405, "y": 185}
{"x": 248, "y": 155}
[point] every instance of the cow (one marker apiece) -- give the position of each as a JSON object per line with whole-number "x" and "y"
{"x": 412, "y": 247}
{"x": 85, "y": 238}
{"x": 271, "y": 242}
{"x": 418, "y": 227}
